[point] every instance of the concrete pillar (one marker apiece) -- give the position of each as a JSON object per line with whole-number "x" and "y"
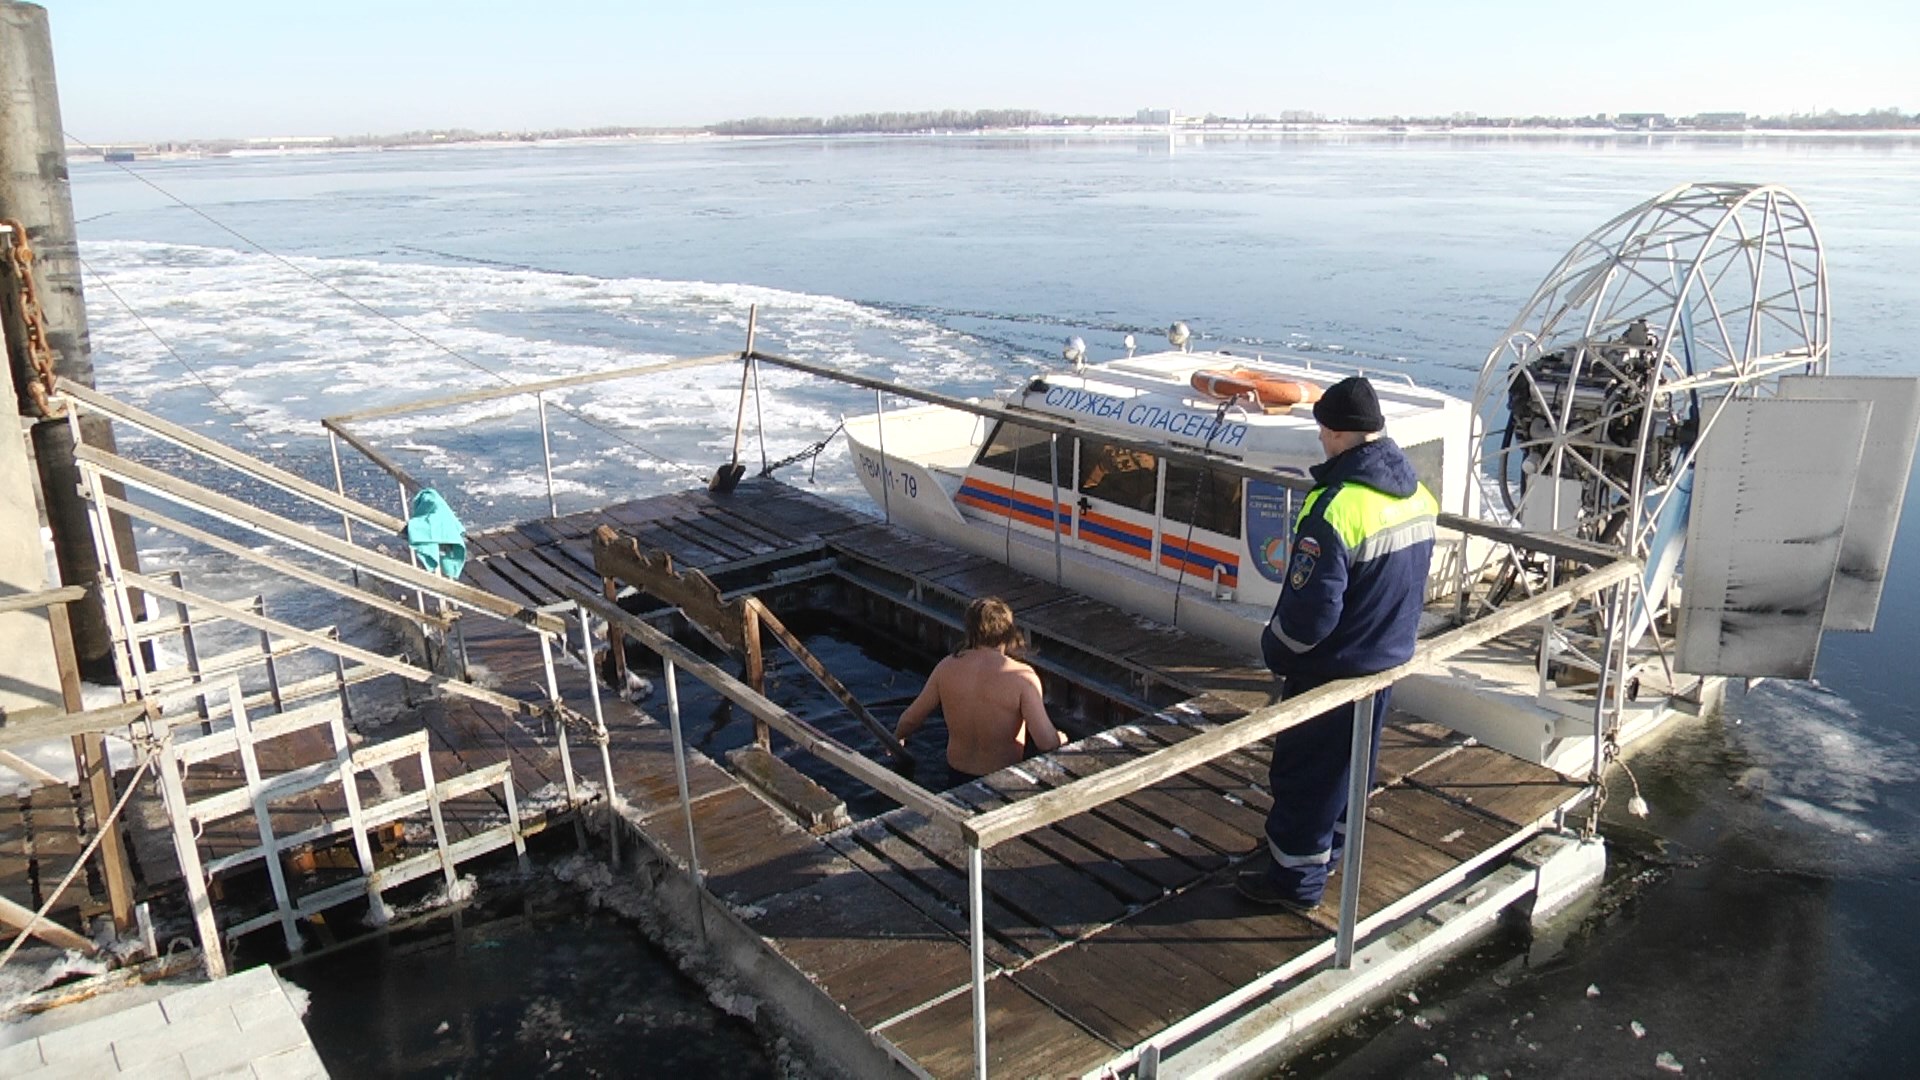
{"x": 34, "y": 191}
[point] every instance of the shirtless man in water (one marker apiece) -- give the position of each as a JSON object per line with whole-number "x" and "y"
{"x": 991, "y": 700}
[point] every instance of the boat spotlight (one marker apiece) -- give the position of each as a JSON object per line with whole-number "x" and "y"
{"x": 1128, "y": 342}
{"x": 1076, "y": 351}
{"x": 1179, "y": 335}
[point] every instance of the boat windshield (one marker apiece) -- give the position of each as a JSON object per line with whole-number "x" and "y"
{"x": 1022, "y": 451}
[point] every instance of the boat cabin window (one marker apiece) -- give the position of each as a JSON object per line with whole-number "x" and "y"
{"x": 1203, "y": 497}
{"x": 1115, "y": 474}
{"x": 1021, "y": 451}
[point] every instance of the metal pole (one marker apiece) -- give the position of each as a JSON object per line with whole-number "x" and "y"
{"x": 599, "y": 726}
{"x": 340, "y": 487}
{"x": 686, "y": 800}
{"x": 1053, "y": 512}
{"x": 1606, "y": 677}
{"x": 1359, "y": 783}
{"x": 977, "y": 943}
{"x": 340, "y": 484}
{"x": 886, "y": 471}
{"x": 546, "y": 455}
{"x": 746, "y": 370}
{"x": 553, "y": 700}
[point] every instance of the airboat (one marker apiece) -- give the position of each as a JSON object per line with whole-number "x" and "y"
{"x": 1665, "y": 395}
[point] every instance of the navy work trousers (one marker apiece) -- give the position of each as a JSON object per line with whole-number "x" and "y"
{"x": 1308, "y": 779}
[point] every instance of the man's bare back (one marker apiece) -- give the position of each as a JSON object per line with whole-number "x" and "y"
{"x": 993, "y": 708}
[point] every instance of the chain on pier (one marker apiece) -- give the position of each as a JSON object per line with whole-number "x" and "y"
{"x": 812, "y": 451}
{"x": 19, "y": 267}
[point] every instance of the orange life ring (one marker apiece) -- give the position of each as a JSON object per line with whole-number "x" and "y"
{"x": 1238, "y": 383}
{"x": 1278, "y": 391}
{"x": 1223, "y": 385}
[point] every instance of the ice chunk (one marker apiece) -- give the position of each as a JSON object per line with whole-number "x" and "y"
{"x": 1666, "y": 1062}
{"x": 1639, "y": 1030}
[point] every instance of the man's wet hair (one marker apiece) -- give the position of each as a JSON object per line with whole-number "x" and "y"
{"x": 990, "y": 625}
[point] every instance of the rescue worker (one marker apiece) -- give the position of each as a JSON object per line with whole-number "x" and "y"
{"x": 1350, "y": 605}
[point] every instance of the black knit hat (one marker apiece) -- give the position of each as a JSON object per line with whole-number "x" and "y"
{"x": 1349, "y": 405}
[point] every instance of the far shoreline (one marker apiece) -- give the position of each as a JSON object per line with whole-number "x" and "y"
{"x": 121, "y": 154}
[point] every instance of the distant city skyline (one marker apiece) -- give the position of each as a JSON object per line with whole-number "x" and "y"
{"x": 205, "y": 69}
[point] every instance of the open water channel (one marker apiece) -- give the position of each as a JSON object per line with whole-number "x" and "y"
{"x": 1756, "y": 924}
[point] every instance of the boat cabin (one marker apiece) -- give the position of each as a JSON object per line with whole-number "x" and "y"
{"x": 1128, "y": 525}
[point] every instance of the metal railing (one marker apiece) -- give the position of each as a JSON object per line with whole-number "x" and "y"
{"x": 106, "y": 479}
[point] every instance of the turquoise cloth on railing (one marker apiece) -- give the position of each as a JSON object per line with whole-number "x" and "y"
{"x": 438, "y": 539}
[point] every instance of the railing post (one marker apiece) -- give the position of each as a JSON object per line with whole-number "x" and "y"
{"x": 599, "y": 725}
{"x": 1601, "y": 704}
{"x": 1359, "y": 783}
{"x": 546, "y": 455}
{"x": 266, "y": 655}
{"x": 680, "y": 778}
{"x": 1053, "y": 511}
{"x": 553, "y": 703}
{"x": 340, "y": 678}
{"x": 119, "y": 607}
{"x": 880, "y": 443}
{"x": 186, "y": 847}
{"x": 977, "y": 946}
{"x": 182, "y": 613}
{"x": 340, "y": 488}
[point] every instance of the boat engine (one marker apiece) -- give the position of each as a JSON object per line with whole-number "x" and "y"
{"x": 1597, "y": 395}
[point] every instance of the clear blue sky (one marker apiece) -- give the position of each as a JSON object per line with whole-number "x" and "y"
{"x": 146, "y": 69}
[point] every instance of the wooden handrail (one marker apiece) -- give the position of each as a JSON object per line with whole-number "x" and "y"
{"x": 41, "y": 598}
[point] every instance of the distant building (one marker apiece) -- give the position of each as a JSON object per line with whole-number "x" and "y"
{"x": 1641, "y": 121}
{"x": 1153, "y": 116}
{"x": 1721, "y": 121}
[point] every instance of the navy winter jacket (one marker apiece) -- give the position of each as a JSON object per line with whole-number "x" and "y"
{"x": 1357, "y": 570}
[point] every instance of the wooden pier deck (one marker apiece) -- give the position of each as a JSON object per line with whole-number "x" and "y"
{"x": 1104, "y": 930}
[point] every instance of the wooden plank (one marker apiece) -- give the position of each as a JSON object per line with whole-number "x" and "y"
{"x": 723, "y": 516}
{"x": 1136, "y": 815}
{"x": 734, "y": 544}
{"x": 1025, "y": 1037}
{"x": 874, "y": 953}
{"x": 54, "y": 822}
{"x": 534, "y": 576}
{"x": 1124, "y": 988}
{"x": 895, "y": 549}
{"x": 482, "y": 574}
{"x": 656, "y": 537}
{"x": 1448, "y": 827}
{"x": 1216, "y": 927}
{"x": 1515, "y": 791}
{"x": 16, "y": 870}
{"x": 1064, "y": 845}
{"x": 1036, "y": 887}
{"x": 939, "y": 876}
{"x": 982, "y": 577}
{"x": 1141, "y": 858}
{"x": 1180, "y": 802}
{"x": 927, "y": 886}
